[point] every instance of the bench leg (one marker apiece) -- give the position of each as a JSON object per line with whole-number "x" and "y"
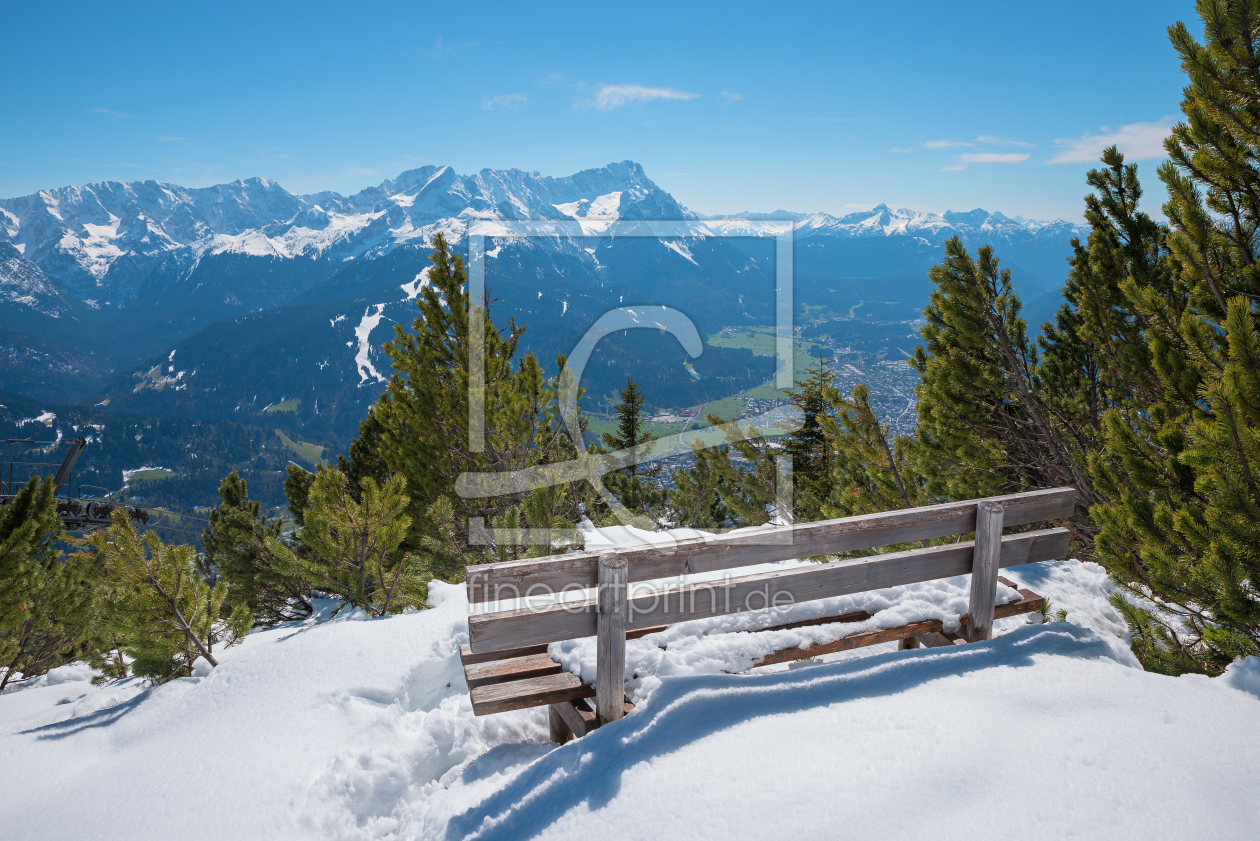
{"x": 559, "y": 729}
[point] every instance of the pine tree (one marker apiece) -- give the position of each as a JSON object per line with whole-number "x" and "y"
{"x": 984, "y": 426}
{"x": 812, "y": 460}
{"x": 636, "y": 487}
{"x": 419, "y": 429}
{"x": 745, "y": 471}
{"x": 872, "y": 470}
{"x": 1179, "y": 473}
{"x": 696, "y": 498}
{"x": 236, "y": 550}
{"x": 630, "y": 426}
{"x": 167, "y": 614}
{"x": 354, "y": 547}
{"x": 47, "y": 605}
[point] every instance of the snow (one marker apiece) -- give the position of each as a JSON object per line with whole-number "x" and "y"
{"x": 127, "y": 474}
{"x": 345, "y": 727}
{"x": 252, "y": 243}
{"x": 1243, "y": 674}
{"x": 362, "y": 358}
{"x": 604, "y": 208}
{"x": 45, "y": 417}
{"x": 680, "y": 249}
{"x": 417, "y": 283}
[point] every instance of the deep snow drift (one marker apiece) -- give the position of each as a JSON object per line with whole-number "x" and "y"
{"x": 358, "y": 728}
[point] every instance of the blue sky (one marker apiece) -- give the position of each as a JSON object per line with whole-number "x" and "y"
{"x": 813, "y": 107}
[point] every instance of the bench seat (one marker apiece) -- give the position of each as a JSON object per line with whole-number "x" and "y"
{"x": 520, "y": 678}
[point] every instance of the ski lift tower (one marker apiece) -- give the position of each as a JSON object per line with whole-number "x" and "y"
{"x": 76, "y": 512}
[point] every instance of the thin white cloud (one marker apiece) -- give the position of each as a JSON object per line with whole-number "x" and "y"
{"x": 944, "y": 144}
{"x": 994, "y": 140}
{"x": 952, "y": 168}
{"x": 1138, "y": 142}
{"x": 994, "y": 158}
{"x": 105, "y": 112}
{"x": 360, "y": 170}
{"x": 504, "y": 100}
{"x": 608, "y": 97}
{"x": 730, "y": 96}
{"x": 901, "y": 150}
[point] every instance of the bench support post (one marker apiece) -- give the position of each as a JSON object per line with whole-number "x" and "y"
{"x": 610, "y": 665}
{"x": 984, "y": 571}
{"x": 559, "y": 728}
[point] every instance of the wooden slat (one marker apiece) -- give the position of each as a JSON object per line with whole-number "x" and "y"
{"x": 514, "y": 579}
{"x": 517, "y": 668}
{"x": 850, "y": 642}
{"x": 855, "y": 616}
{"x": 528, "y": 626}
{"x": 468, "y": 657}
{"x": 1030, "y": 603}
{"x": 533, "y": 692}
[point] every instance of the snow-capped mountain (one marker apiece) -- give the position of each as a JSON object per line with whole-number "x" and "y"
{"x": 102, "y": 241}
{"x": 884, "y": 221}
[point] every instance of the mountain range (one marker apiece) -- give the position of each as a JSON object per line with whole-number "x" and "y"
{"x": 244, "y": 303}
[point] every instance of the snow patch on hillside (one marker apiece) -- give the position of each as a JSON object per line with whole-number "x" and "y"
{"x": 417, "y": 283}
{"x": 363, "y": 332}
{"x": 681, "y": 249}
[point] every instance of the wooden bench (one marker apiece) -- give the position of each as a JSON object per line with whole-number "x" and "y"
{"x": 507, "y": 667}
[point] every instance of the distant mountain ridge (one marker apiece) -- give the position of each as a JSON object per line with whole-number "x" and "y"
{"x": 99, "y": 243}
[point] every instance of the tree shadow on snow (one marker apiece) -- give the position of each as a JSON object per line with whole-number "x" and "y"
{"x": 100, "y": 718}
{"x": 686, "y": 709}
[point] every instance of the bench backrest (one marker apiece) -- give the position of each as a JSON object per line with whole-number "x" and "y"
{"x": 546, "y": 623}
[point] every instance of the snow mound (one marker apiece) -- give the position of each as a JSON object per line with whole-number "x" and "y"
{"x": 347, "y": 727}
{"x": 1048, "y": 723}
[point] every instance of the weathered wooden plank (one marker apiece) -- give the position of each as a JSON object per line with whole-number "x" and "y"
{"x": 908, "y": 635}
{"x": 984, "y": 570}
{"x": 516, "y": 668}
{"x": 468, "y": 657}
{"x": 856, "y": 616}
{"x": 527, "y": 626}
{"x": 532, "y": 692}
{"x": 850, "y": 642}
{"x": 1030, "y": 603}
{"x": 577, "y": 571}
{"x": 610, "y": 640}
